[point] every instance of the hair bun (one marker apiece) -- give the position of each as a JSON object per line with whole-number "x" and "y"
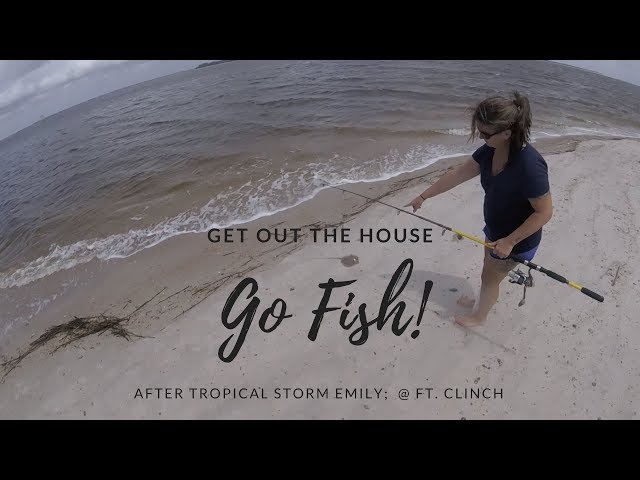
{"x": 517, "y": 100}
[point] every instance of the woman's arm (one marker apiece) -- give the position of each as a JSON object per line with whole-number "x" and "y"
{"x": 543, "y": 207}
{"x": 455, "y": 177}
{"x": 461, "y": 174}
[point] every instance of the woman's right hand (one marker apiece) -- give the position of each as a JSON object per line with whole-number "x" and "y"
{"x": 416, "y": 203}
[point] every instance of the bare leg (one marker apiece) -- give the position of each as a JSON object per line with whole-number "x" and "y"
{"x": 466, "y": 302}
{"x": 493, "y": 272}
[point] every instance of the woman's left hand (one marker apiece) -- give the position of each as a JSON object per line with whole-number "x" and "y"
{"x": 502, "y": 248}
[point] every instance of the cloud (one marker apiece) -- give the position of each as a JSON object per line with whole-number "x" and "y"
{"x": 10, "y": 70}
{"x": 31, "y": 90}
{"x": 626, "y": 70}
{"x": 21, "y": 80}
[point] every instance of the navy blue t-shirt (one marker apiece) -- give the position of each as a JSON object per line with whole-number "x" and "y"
{"x": 506, "y": 200}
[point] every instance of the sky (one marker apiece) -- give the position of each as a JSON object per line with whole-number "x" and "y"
{"x": 34, "y": 89}
{"x": 627, "y": 70}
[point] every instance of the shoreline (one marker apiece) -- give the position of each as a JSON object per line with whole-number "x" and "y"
{"x": 549, "y": 145}
{"x": 89, "y": 276}
{"x": 323, "y": 209}
{"x": 187, "y": 278}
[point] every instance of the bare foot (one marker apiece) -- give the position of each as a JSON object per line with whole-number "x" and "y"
{"x": 469, "y": 320}
{"x": 466, "y": 302}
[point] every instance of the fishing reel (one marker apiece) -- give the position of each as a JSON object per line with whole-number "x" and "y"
{"x": 520, "y": 278}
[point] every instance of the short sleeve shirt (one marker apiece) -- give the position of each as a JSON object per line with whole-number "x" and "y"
{"x": 507, "y": 194}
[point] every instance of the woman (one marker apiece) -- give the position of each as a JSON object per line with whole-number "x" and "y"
{"x": 517, "y": 200}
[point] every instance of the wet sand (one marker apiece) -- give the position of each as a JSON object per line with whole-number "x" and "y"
{"x": 561, "y": 355}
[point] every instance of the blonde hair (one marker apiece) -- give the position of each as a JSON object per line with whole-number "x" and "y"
{"x": 505, "y": 113}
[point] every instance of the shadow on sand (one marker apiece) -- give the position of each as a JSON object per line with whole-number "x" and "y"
{"x": 445, "y": 292}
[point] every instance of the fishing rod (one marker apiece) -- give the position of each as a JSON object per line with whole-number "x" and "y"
{"x": 529, "y": 264}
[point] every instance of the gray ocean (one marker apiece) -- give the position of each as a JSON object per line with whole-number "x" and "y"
{"x": 225, "y": 144}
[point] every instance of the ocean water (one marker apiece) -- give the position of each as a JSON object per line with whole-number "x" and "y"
{"x": 226, "y": 144}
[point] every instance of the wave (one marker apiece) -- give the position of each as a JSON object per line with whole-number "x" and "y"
{"x": 253, "y": 200}
{"x": 276, "y": 192}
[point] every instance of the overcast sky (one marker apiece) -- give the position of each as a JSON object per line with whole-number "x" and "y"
{"x": 627, "y": 70}
{"x": 34, "y": 89}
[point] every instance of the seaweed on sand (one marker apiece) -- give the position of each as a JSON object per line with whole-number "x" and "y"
{"x": 75, "y": 330}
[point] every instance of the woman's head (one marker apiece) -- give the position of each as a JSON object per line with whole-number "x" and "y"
{"x": 500, "y": 120}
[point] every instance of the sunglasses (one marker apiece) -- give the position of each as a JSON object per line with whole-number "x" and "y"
{"x": 487, "y": 136}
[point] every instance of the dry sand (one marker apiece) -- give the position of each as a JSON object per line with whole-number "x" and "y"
{"x": 561, "y": 355}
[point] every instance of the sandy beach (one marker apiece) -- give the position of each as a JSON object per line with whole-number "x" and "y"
{"x": 561, "y": 355}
